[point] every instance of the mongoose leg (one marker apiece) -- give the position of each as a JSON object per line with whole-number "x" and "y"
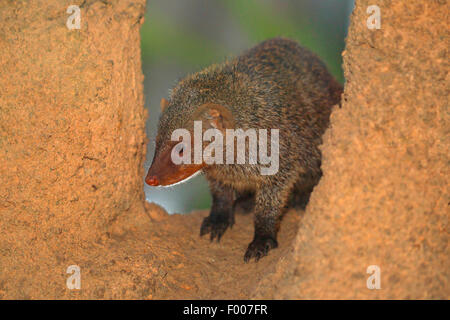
{"x": 245, "y": 201}
{"x": 269, "y": 205}
{"x": 222, "y": 211}
{"x": 301, "y": 192}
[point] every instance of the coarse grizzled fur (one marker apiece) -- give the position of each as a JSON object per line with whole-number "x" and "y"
{"x": 275, "y": 85}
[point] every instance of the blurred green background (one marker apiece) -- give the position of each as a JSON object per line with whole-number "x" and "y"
{"x": 183, "y": 36}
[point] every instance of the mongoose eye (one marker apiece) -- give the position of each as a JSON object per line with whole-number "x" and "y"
{"x": 178, "y": 150}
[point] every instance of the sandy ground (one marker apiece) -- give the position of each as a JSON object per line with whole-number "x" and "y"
{"x": 149, "y": 255}
{"x": 196, "y": 268}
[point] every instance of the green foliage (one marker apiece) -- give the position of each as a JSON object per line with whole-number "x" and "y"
{"x": 261, "y": 21}
{"x": 164, "y": 38}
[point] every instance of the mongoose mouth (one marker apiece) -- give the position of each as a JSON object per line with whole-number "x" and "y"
{"x": 154, "y": 182}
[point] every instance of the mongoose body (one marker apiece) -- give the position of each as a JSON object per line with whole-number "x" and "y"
{"x": 275, "y": 85}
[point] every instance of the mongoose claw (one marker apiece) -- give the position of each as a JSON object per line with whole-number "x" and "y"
{"x": 216, "y": 226}
{"x": 259, "y": 248}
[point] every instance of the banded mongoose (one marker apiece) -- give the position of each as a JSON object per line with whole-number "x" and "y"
{"x": 275, "y": 85}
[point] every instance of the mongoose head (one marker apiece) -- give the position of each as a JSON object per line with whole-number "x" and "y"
{"x": 176, "y": 115}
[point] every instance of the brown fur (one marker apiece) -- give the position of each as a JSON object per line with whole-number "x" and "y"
{"x": 274, "y": 85}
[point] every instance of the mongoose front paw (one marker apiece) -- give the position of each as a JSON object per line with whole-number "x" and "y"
{"x": 259, "y": 248}
{"x": 216, "y": 226}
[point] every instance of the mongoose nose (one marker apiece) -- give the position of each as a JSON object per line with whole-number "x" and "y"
{"x": 152, "y": 181}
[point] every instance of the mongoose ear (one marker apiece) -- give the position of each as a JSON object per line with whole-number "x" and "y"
{"x": 163, "y": 104}
{"x": 216, "y": 115}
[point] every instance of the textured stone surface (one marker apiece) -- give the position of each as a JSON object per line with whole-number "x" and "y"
{"x": 71, "y": 132}
{"x": 384, "y": 196}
